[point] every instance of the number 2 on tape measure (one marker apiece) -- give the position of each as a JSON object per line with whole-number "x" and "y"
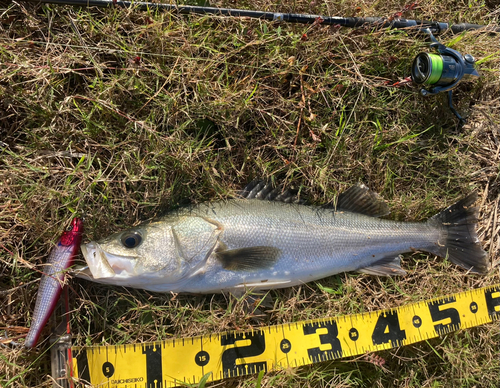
{"x": 256, "y": 347}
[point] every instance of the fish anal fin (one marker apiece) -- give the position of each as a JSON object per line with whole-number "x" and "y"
{"x": 248, "y": 259}
{"x": 388, "y": 266}
{"x": 360, "y": 199}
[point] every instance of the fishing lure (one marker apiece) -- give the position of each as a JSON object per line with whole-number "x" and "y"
{"x": 61, "y": 258}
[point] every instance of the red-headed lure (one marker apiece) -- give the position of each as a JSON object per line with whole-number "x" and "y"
{"x": 60, "y": 259}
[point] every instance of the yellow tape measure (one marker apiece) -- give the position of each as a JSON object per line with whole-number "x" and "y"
{"x": 170, "y": 363}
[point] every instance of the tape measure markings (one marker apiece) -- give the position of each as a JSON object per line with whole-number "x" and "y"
{"x": 231, "y": 354}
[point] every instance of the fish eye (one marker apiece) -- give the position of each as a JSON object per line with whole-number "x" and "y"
{"x": 131, "y": 240}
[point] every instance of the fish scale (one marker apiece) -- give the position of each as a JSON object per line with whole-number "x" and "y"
{"x": 314, "y": 243}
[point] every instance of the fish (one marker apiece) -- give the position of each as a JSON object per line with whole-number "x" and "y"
{"x": 266, "y": 239}
{"x": 61, "y": 257}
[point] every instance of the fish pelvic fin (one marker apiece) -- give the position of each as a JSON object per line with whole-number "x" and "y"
{"x": 388, "y": 266}
{"x": 459, "y": 241}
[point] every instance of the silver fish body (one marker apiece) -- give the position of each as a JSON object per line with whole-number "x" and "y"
{"x": 261, "y": 244}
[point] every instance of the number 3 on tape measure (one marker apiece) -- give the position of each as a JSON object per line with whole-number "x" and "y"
{"x": 329, "y": 338}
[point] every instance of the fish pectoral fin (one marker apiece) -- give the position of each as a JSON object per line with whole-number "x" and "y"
{"x": 388, "y": 266}
{"x": 248, "y": 259}
{"x": 360, "y": 199}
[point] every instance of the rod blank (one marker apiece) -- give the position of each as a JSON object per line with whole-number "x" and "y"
{"x": 372, "y": 22}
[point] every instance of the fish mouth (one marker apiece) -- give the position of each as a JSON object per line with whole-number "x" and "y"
{"x": 105, "y": 265}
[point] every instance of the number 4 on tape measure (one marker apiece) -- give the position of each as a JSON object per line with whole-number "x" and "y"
{"x": 388, "y": 330}
{"x": 172, "y": 362}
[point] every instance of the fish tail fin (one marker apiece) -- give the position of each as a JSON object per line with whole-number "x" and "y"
{"x": 459, "y": 241}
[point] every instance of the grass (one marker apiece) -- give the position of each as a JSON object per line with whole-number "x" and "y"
{"x": 120, "y": 115}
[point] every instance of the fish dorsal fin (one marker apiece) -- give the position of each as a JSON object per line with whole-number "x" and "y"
{"x": 248, "y": 259}
{"x": 360, "y": 199}
{"x": 388, "y": 266}
{"x": 268, "y": 191}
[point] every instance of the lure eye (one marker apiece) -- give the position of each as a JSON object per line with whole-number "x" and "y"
{"x": 131, "y": 240}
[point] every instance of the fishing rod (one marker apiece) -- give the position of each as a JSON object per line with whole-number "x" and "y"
{"x": 373, "y": 22}
{"x": 436, "y": 73}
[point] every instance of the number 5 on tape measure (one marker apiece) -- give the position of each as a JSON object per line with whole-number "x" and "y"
{"x": 172, "y": 362}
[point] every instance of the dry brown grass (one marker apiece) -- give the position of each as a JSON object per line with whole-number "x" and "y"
{"x": 211, "y": 103}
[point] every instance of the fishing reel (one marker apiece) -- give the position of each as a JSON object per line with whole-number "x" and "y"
{"x": 443, "y": 71}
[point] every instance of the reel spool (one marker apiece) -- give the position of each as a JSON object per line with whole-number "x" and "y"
{"x": 443, "y": 71}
